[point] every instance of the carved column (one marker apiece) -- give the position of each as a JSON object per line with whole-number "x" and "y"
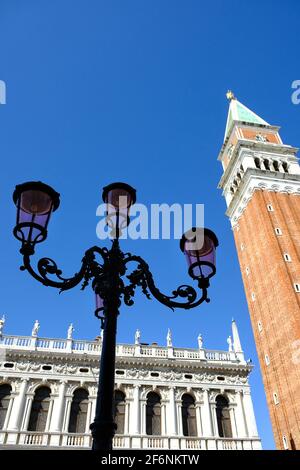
{"x": 240, "y": 417}
{"x": 178, "y": 404}
{"x": 127, "y": 415}
{"x": 280, "y": 167}
{"x": 135, "y": 411}
{"x": 49, "y": 414}
{"x": 25, "y": 422}
{"x": 143, "y": 404}
{"x": 163, "y": 417}
{"x": 206, "y": 414}
{"x": 249, "y": 414}
{"x": 214, "y": 419}
{"x": 8, "y": 414}
{"x": 93, "y": 411}
{"x": 67, "y": 414}
{"x": 232, "y": 415}
{"x": 58, "y": 409}
{"x": 198, "y": 417}
{"x": 18, "y": 407}
{"x": 172, "y": 418}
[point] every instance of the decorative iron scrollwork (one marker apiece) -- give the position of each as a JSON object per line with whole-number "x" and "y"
{"x": 100, "y": 272}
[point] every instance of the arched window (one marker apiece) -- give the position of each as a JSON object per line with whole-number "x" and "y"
{"x": 153, "y": 415}
{"x": 267, "y": 164}
{"x": 120, "y": 411}
{"x": 188, "y": 413}
{"x": 257, "y": 162}
{"x": 223, "y": 417}
{"x": 5, "y": 391}
{"x": 285, "y": 167}
{"x": 39, "y": 410}
{"x": 276, "y": 165}
{"x": 78, "y": 414}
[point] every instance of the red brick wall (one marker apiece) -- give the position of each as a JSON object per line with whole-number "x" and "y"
{"x": 276, "y": 304}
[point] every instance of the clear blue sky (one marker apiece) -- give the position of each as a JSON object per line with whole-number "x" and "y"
{"x": 134, "y": 91}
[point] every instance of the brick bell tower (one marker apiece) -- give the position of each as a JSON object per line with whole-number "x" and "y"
{"x": 261, "y": 186}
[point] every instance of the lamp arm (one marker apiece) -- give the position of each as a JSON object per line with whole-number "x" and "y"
{"x": 143, "y": 277}
{"x": 47, "y": 266}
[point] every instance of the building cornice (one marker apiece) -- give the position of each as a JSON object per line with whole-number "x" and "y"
{"x": 124, "y": 361}
{"x": 255, "y": 179}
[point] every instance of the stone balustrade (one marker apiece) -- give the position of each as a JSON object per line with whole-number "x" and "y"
{"x": 67, "y": 440}
{"x": 94, "y": 348}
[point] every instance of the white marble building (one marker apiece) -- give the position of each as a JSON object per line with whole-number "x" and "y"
{"x": 166, "y": 397}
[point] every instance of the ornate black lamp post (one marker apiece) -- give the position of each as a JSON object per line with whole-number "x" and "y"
{"x": 35, "y": 203}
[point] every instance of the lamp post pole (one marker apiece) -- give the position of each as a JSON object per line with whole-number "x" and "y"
{"x": 103, "y": 428}
{"x": 35, "y": 203}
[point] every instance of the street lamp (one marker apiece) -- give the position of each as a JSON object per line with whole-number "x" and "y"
{"x": 35, "y": 203}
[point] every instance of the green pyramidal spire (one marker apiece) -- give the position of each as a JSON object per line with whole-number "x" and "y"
{"x": 239, "y": 112}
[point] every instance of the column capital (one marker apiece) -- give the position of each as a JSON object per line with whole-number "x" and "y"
{"x": 198, "y": 403}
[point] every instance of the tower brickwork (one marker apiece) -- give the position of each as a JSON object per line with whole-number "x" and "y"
{"x": 261, "y": 185}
